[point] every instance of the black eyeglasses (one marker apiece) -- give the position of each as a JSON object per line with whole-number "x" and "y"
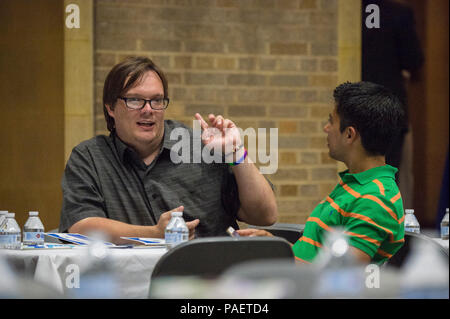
{"x": 137, "y": 104}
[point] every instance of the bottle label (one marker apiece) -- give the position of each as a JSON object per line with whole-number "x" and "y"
{"x": 33, "y": 236}
{"x": 444, "y": 231}
{"x": 170, "y": 238}
{"x": 413, "y": 229}
{"x": 176, "y": 237}
{"x": 9, "y": 239}
{"x": 5, "y": 239}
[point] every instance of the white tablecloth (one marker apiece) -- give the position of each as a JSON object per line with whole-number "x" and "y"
{"x": 55, "y": 267}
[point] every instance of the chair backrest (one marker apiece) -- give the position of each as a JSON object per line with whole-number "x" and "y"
{"x": 209, "y": 257}
{"x": 399, "y": 258}
{"x": 290, "y": 232}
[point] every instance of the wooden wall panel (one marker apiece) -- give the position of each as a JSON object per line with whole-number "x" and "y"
{"x": 31, "y": 108}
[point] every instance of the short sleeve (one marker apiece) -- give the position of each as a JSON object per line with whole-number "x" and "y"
{"x": 82, "y": 196}
{"x": 370, "y": 224}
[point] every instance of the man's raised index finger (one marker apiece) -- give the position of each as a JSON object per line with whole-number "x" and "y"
{"x": 203, "y": 123}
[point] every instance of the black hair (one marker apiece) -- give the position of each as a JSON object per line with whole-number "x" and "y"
{"x": 373, "y": 110}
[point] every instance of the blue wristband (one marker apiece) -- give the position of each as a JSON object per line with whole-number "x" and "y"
{"x": 240, "y": 160}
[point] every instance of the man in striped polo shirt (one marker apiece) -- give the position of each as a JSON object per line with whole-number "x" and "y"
{"x": 366, "y": 202}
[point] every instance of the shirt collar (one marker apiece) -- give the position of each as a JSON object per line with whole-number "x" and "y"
{"x": 369, "y": 175}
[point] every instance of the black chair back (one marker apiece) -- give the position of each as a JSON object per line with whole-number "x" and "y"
{"x": 210, "y": 257}
{"x": 399, "y": 258}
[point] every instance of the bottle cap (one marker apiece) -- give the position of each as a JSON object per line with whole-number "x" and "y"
{"x": 409, "y": 211}
{"x": 177, "y": 214}
{"x": 33, "y": 213}
{"x": 11, "y": 215}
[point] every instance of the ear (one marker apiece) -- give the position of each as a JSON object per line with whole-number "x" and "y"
{"x": 110, "y": 110}
{"x": 351, "y": 133}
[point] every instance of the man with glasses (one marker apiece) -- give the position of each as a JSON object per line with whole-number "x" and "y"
{"x": 126, "y": 184}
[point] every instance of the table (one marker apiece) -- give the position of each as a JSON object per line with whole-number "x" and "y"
{"x": 59, "y": 268}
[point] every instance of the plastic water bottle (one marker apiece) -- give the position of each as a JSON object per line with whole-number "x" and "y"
{"x": 176, "y": 230}
{"x": 10, "y": 233}
{"x": 411, "y": 222}
{"x": 444, "y": 226}
{"x": 33, "y": 230}
{"x": 2, "y": 216}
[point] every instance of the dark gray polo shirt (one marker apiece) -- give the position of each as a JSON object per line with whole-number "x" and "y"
{"x": 105, "y": 178}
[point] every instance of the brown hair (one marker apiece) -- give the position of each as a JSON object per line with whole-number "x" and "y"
{"x": 124, "y": 76}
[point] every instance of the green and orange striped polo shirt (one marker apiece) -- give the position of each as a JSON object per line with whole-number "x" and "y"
{"x": 369, "y": 207}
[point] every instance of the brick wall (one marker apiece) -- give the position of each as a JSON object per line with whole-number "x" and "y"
{"x": 261, "y": 63}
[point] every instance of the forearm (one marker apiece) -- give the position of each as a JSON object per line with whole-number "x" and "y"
{"x": 114, "y": 229}
{"x": 258, "y": 203}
